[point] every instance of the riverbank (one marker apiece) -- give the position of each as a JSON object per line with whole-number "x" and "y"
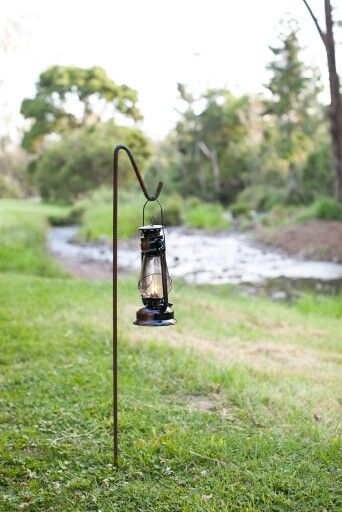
{"x": 317, "y": 239}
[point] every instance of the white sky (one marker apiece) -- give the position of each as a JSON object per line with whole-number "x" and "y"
{"x": 152, "y": 44}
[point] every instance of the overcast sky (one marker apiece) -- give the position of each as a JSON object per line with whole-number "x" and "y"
{"x": 152, "y": 44}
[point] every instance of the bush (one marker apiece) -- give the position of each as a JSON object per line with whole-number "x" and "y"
{"x": 9, "y": 188}
{"x": 60, "y": 219}
{"x": 94, "y": 212}
{"x": 326, "y": 208}
{"x": 205, "y": 215}
{"x": 240, "y": 209}
{"x": 82, "y": 161}
{"x": 317, "y": 178}
{"x": 261, "y": 197}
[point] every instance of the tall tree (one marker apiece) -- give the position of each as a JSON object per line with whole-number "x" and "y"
{"x": 293, "y": 105}
{"x": 81, "y": 160}
{"x": 70, "y": 97}
{"x": 210, "y": 136}
{"x": 335, "y": 92}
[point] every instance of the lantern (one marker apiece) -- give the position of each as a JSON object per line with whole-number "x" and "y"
{"x": 154, "y": 281}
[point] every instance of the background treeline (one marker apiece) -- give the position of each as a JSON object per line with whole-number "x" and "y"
{"x": 253, "y": 152}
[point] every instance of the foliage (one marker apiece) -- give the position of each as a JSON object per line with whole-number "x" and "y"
{"x": 325, "y": 208}
{"x": 207, "y": 216}
{"x": 317, "y": 178}
{"x": 97, "y": 217}
{"x": 95, "y": 214}
{"x": 201, "y": 422}
{"x": 209, "y": 159}
{"x": 61, "y": 90}
{"x": 9, "y": 187}
{"x": 260, "y": 150}
{"x": 224, "y": 144}
{"x": 173, "y": 210}
{"x": 293, "y": 108}
{"x": 239, "y": 209}
{"x": 261, "y": 197}
{"x": 82, "y": 161}
{"x": 14, "y": 180}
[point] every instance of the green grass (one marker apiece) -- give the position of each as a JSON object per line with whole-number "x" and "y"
{"x": 23, "y": 227}
{"x": 235, "y": 408}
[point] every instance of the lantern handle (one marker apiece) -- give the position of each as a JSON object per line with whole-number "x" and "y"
{"x": 161, "y": 214}
{"x": 155, "y": 196}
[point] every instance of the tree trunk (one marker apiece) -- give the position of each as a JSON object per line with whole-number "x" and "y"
{"x": 212, "y": 157}
{"x": 200, "y": 171}
{"x": 335, "y": 95}
{"x": 336, "y": 103}
{"x": 216, "y": 173}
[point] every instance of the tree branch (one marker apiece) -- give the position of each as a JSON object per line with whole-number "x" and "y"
{"x": 320, "y": 31}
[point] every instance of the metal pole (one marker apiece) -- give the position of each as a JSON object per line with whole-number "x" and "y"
{"x": 115, "y": 277}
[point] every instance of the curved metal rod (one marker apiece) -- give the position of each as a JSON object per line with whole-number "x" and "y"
{"x": 137, "y": 172}
{"x": 115, "y": 278}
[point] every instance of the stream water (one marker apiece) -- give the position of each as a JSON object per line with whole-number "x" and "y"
{"x": 201, "y": 258}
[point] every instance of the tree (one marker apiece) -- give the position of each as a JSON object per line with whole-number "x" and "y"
{"x": 62, "y": 91}
{"x": 209, "y": 138}
{"x": 82, "y": 160}
{"x": 335, "y": 92}
{"x": 293, "y": 107}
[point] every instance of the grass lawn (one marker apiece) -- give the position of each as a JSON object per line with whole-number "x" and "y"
{"x": 234, "y": 409}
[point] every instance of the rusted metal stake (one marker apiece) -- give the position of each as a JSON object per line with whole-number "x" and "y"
{"x": 115, "y": 277}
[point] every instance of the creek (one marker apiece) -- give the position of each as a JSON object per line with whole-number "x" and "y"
{"x": 216, "y": 259}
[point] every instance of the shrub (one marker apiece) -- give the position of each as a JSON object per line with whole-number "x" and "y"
{"x": 94, "y": 212}
{"x": 9, "y": 188}
{"x": 240, "y": 209}
{"x": 60, "y": 219}
{"x": 317, "y": 178}
{"x": 82, "y": 161}
{"x": 327, "y": 208}
{"x": 261, "y": 197}
{"x": 205, "y": 215}
{"x": 172, "y": 210}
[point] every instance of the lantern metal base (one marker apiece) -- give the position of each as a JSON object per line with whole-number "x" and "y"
{"x": 150, "y": 317}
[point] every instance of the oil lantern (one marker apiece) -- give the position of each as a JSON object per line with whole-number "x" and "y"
{"x": 154, "y": 281}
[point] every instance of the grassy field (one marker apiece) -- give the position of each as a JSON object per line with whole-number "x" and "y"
{"x": 234, "y": 409}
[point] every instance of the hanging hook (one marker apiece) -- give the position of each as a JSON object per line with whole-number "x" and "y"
{"x": 137, "y": 172}
{"x": 115, "y": 271}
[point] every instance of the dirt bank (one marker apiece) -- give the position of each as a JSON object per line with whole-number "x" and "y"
{"x": 318, "y": 240}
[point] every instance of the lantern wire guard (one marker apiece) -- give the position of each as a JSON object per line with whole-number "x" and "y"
{"x": 149, "y": 198}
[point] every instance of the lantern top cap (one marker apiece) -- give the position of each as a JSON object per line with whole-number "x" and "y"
{"x": 151, "y": 228}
